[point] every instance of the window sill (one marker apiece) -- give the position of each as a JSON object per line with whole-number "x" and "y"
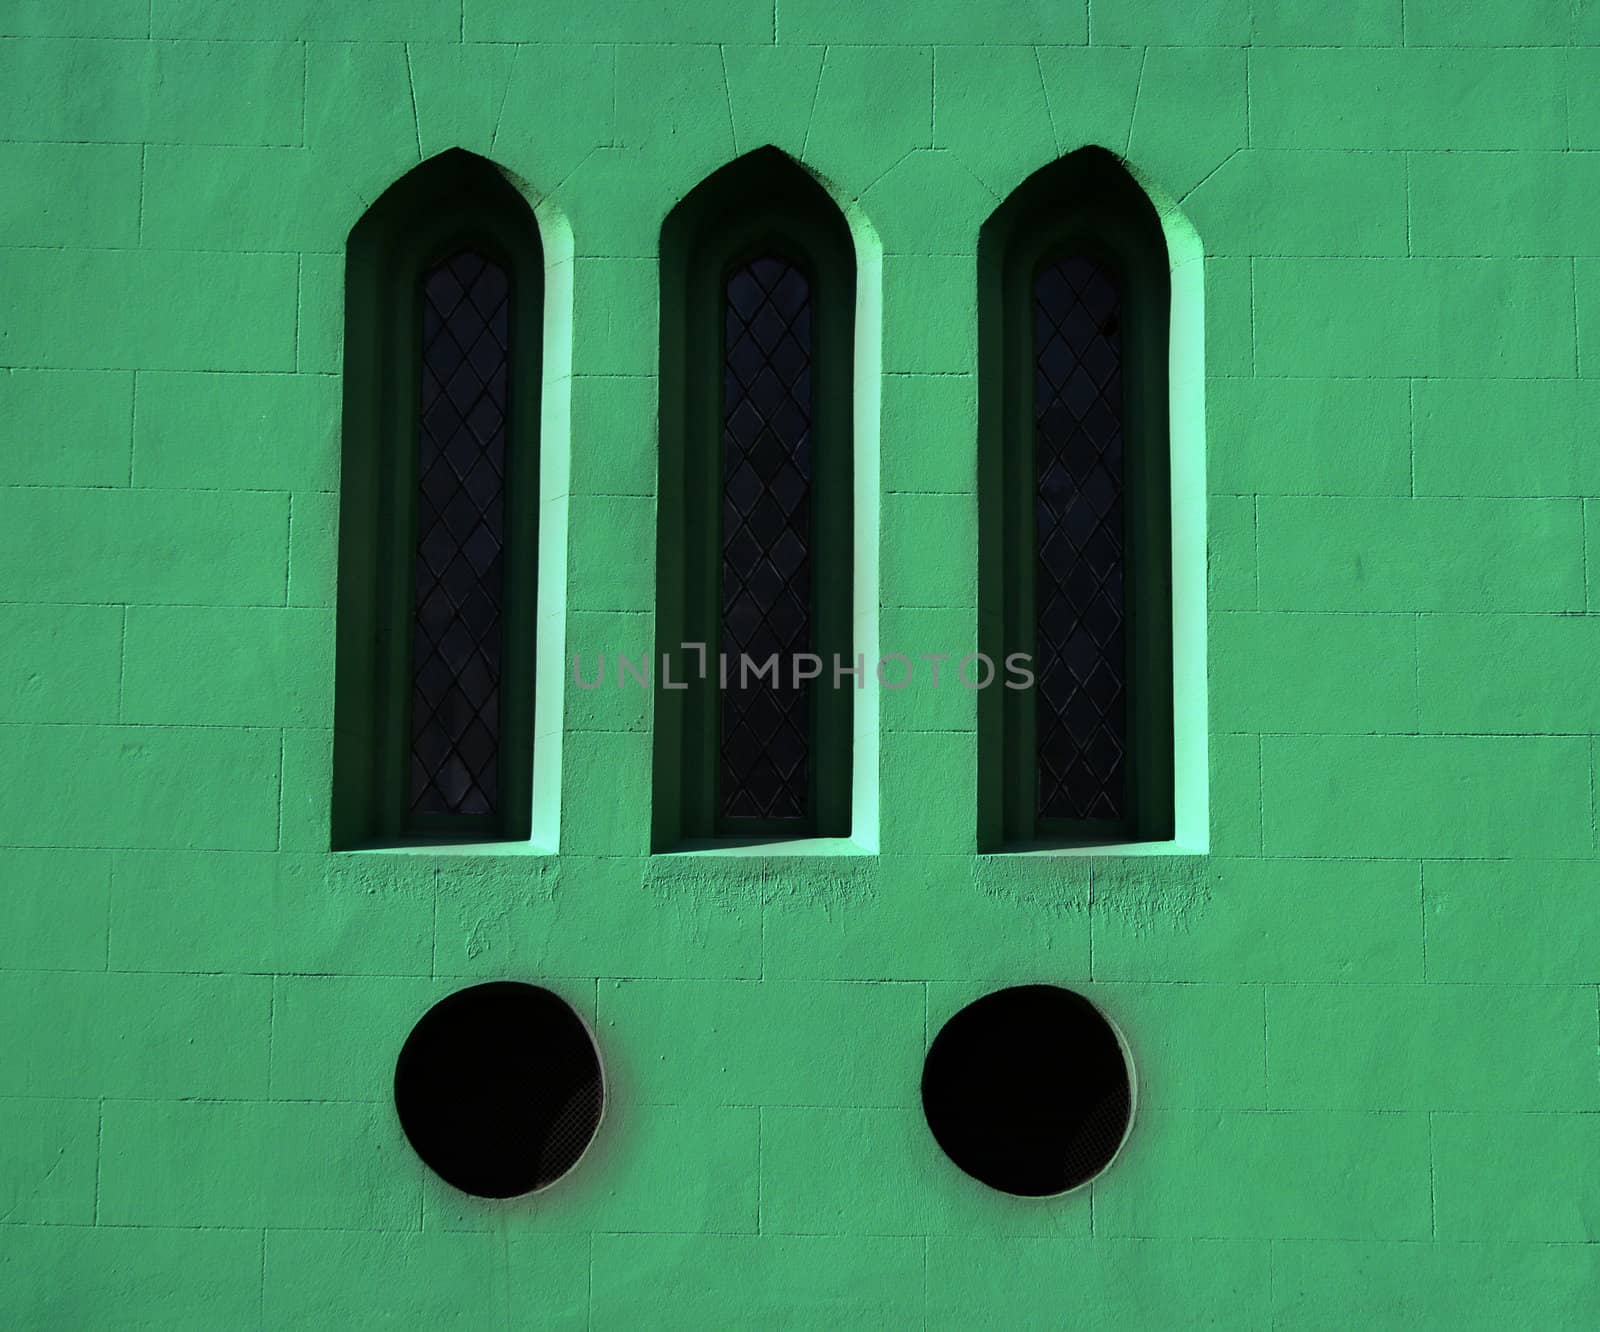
{"x": 768, "y": 846}
{"x": 1046, "y": 848}
{"x": 438, "y": 846}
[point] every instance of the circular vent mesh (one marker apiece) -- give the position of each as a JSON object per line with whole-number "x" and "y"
{"x": 1028, "y": 1090}
{"x": 498, "y": 1088}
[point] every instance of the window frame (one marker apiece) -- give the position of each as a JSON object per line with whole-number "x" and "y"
{"x": 452, "y": 203}
{"x": 1084, "y": 205}
{"x": 760, "y": 206}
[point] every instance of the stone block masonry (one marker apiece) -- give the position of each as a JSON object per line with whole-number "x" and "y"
{"x": 1364, "y": 1019}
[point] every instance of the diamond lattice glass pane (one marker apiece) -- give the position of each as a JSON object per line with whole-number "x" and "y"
{"x": 461, "y": 448}
{"x": 766, "y": 539}
{"x": 1078, "y": 503}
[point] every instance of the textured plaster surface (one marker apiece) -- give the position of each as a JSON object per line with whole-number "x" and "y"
{"x": 1364, "y": 1022}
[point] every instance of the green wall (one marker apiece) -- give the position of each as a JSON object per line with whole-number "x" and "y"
{"x": 1362, "y": 999}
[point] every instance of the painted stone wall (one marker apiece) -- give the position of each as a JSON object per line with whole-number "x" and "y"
{"x": 1362, "y": 1003}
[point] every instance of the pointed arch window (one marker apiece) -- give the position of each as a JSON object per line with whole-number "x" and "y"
{"x": 755, "y": 531}
{"x": 1075, "y": 510}
{"x": 438, "y": 511}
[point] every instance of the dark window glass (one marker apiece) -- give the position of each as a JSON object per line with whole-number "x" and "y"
{"x": 1078, "y": 462}
{"x": 766, "y": 539}
{"x": 457, "y": 639}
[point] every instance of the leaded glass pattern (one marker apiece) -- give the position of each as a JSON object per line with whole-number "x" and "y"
{"x": 766, "y": 540}
{"x": 459, "y": 570}
{"x": 1081, "y": 653}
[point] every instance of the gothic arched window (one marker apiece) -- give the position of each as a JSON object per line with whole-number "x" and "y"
{"x": 1076, "y": 509}
{"x": 755, "y": 545}
{"x": 438, "y": 511}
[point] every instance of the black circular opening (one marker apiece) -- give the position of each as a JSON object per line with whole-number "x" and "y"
{"x": 1028, "y": 1090}
{"x": 498, "y": 1088}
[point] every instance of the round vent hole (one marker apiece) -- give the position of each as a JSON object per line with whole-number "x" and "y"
{"x": 1029, "y": 1090}
{"x": 498, "y": 1088}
